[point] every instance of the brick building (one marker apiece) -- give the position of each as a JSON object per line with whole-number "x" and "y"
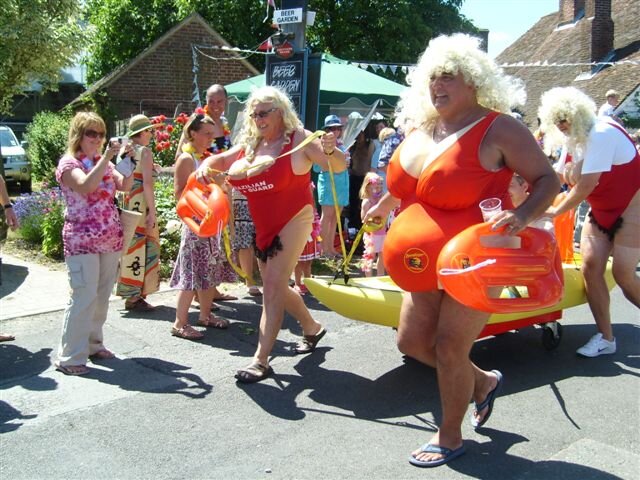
{"x": 581, "y": 31}
{"x": 161, "y": 79}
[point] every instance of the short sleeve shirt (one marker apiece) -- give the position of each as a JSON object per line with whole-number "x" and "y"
{"x": 91, "y": 221}
{"x": 606, "y": 146}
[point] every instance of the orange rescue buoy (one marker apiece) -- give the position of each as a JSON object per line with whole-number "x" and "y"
{"x": 496, "y": 273}
{"x": 203, "y": 208}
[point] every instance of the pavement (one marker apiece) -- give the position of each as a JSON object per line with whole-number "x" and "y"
{"x": 355, "y": 408}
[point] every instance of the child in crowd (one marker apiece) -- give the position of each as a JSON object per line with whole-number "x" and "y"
{"x": 311, "y": 250}
{"x": 370, "y": 193}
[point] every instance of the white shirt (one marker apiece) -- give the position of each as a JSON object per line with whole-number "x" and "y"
{"x": 606, "y": 146}
{"x": 606, "y": 110}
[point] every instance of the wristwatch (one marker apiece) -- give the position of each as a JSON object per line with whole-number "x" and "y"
{"x": 8, "y": 205}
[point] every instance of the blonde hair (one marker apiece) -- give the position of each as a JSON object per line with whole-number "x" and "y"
{"x": 249, "y": 136}
{"x": 385, "y": 133}
{"x": 457, "y": 53}
{"x": 369, "y": 178}
{"x": 81, "y": 122}
{"x": 573, "y": 106}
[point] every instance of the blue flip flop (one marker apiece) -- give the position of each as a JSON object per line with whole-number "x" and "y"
{"x": 488, "y": 402}
{"x": 448, "y": 453}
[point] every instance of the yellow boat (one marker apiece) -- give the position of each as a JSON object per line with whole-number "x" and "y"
{"x": 377, "y": 300}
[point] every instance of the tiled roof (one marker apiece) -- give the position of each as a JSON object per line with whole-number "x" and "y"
{"x": 543, "y": 42}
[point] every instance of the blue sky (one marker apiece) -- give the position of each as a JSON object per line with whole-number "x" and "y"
{"x": 506, "y": 19}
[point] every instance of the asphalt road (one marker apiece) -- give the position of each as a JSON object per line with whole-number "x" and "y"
{"x": 169, "y": 408}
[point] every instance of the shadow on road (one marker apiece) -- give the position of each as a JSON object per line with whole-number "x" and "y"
{"x": 11, "y": 277}
{"x": 132, "y": 374}
{"x": 18, "y": 366}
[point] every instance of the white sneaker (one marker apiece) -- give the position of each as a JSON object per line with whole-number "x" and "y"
{"x": 597, "y": 346}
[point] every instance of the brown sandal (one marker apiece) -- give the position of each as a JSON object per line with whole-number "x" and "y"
{"x": 187, "y": 332}
{"x": 73, "y": 370}
{"x": 214, "y": 322}
{"x": 139, "y": 305}
{"x": 255, "y": 372}
{"x": 309, "y": 342}
{"x": 103, "y": 354}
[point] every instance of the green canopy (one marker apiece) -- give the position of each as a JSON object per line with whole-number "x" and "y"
{"x": 339, "y": 81}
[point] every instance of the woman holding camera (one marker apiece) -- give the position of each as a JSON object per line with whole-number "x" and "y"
{"x": 139, "y": 266}
{"x": 92, "y": 237}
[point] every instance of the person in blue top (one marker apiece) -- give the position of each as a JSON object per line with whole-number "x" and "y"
{"x": 329, "y": 216}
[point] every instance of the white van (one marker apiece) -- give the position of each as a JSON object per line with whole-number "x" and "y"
{"x": 16, "y": 165}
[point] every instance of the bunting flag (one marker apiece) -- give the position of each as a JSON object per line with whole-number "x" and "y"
{"x": 405, "y": 68}
{"x": 196, "y": 66}
{"x": 270, "y": 3}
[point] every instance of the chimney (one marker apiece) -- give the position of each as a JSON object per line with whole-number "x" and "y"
{"x": 570, "y": 11}
{"x": 601, "y": 28}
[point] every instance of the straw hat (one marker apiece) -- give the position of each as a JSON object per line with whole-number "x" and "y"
{"x": 140, "y": 123}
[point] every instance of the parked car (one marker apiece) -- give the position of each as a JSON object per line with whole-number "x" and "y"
{"x": 17, "y": 167}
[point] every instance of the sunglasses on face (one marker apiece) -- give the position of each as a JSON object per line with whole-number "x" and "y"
{"x": 262, "y": 114}
{"x": 332, "y": 129}
{"x": 94, "y": 134}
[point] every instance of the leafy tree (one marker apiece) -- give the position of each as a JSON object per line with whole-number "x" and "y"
{"x": 376, "y": 30}
{"x": 47, "y": 141}
{"x": 394, "y": 31}
{"x": 39, "y": 37}
{"x": 124, "y": 28}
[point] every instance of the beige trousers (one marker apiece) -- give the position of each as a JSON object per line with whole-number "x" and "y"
{"x": 91, "y": 278}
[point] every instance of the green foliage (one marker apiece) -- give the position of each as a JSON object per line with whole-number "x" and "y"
{"x": 47, "y": 141}
{"x": 41, "y": 217}
{"x": 31, "y": 229}
{"x": 52, "y": 245}
{"x": 169, "y": 224}
{"x": 377, "y": 30}
{"x": 39, "y": 37}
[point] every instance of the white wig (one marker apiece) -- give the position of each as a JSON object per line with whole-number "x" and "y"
{"x": 458, "y": 53}
{"x": 249, "y": 135}
{"x": 571, "y": 105}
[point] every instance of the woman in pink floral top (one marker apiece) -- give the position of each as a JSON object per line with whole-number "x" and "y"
{"x": 92, "y": 236}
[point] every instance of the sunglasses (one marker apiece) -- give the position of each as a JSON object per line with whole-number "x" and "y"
{"x": 263, "y": 114}
{"x": 333, "y": 128}
{"x": 94, "y": 134}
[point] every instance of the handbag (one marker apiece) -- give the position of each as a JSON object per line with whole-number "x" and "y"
{"x": 129, "y": 220}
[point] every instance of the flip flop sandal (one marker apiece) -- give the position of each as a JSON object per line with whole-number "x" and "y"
{"x": 255, "y": 372}
{"x": 103, "y": 354}
{"x": 187, "y": 332}
{"x": 309, "y": 342}
{"x": 72, "y": 370}
{"x": 448, "y": 454}
{"x": 215, "y": 322}
{"x": 488, "y": 402}
{"x": 7, "y": 338}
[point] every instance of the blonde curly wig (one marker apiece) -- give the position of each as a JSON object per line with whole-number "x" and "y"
{"x": 249, "y": 136}
{"x": 457, "y": 53}
{"x": 571, "y": 105}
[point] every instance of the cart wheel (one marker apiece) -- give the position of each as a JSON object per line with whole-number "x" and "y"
{"x": 551, "y": 335}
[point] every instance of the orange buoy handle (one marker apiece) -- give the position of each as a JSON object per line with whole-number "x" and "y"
{"x": 203, "y": 208}
{"x": 475, "y": 266}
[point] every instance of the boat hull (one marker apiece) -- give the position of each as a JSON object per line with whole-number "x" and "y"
{"x": 377, "y": 300}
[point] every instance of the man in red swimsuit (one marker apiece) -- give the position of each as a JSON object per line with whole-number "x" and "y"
{"x": 459, "y": 150}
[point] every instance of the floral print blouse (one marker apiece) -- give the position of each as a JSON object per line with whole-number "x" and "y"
{"x": 91, "y": 221}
